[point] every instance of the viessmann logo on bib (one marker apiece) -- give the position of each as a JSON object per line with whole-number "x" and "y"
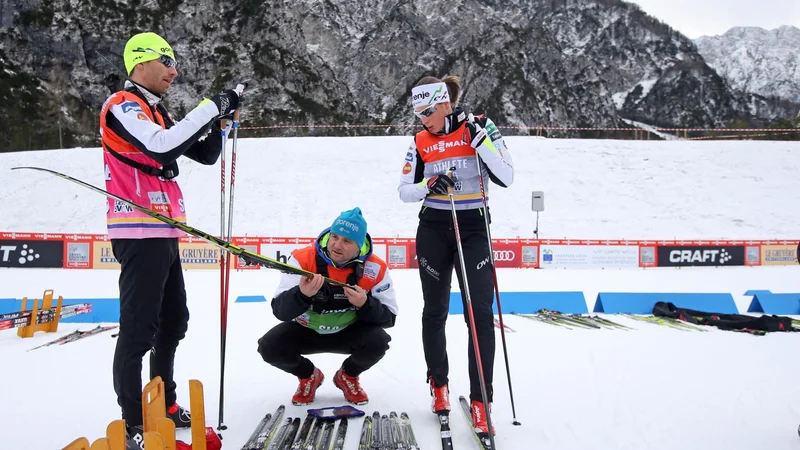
{"x": 441, "y": 146}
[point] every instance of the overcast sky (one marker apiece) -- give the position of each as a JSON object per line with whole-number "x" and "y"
{"x": 695, "y": 18}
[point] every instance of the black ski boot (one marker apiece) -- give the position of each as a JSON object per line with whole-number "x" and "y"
{"x": 179, "y": 415}
{"x": 135, "y": 438}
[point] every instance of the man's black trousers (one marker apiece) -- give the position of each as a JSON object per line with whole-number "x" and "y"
{"x": 284, "y": 346}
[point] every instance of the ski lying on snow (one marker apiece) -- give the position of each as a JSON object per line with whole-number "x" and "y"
{"x": 76, "y": 335}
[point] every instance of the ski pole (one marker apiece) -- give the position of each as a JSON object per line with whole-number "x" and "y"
{"x": 474, "y": 332}
{"x": 222, "y": 327}
{"x": 225, "y": 264}
{"x": 496, "y": 288}
{"x": 227, "y": 277}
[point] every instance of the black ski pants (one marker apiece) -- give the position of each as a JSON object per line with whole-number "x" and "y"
{"x": 153, "y": 316}
{"x": 437, "y": 254}
{"x": 285, "y": 344}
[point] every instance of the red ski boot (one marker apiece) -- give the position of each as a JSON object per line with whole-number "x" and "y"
{"x": 479, "y": 418}
{"x": 440, "y": 398}
{"x": 350, "y": 387}
{"x": 307, "y": 389}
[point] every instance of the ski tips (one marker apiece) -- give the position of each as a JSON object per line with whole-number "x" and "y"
{"x": 41, "y": 169}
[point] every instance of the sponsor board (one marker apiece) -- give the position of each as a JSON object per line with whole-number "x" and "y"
{"x": 589, "y": 256}
{"x": 95, "y": 251}
{"x": 30, "y": 253}
{"x": 103, "y": 256}
{"x": 197, "y": 255}
{"x": 280, "y": 252}
{"x": 507, "y": 253}
{"x": 78, "y": 255}
{"x": 530, "y": 256}
{"x": 647, "y": 256}
{"x": 752, "y": 255}
{"x": 397, "y": 257}
{"x": 239, "y": 264}
{"x": 778, "y": 255}
{"x": 700, "y": 255}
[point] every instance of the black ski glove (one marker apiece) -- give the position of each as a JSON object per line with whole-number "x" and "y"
{"x": 438, "y": 184}
{"x": 227, "y": 102}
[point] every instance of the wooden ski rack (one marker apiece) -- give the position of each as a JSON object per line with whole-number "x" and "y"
{"x": 159, "y": 430}
{"x": 48, "y": 327}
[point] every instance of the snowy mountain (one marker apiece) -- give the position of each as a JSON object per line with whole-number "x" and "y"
{"x": 751, "y": 59}
{"x": 762, "y": 63}
{"x": 541, "y": 62}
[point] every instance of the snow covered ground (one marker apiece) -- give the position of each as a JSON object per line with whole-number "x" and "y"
{"x": 651, "y": 388}
{"x": 593, "y": 189}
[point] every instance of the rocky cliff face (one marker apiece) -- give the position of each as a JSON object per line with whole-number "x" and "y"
{"x": 763, "y": 66}
{"x": 755, "y": 60}
{"x": 524, "y": 63}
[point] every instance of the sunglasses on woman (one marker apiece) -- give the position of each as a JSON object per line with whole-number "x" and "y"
{"x": 427, "y": 112}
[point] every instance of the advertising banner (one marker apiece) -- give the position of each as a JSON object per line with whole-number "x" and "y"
{"x": 32, "y": 253}
{"x": 507, "y": 253}
{"x": 399, "y": 257}
{"x": 589, "y": 256}
{"x": 199, "y": 255}
{"x": 700, "y": 255}
{"x": 280, "y": 249}
{"x": 247, "y": 243}
{"x": 647, "y": 256}
{"x": 93, "y": 251}
{"x": 103, "y": 256}
{"x": 778, "y": 255}
{"x": 752, "y": 254}
{"x": 530, "y": 255}
{"x": 78, "y": 251}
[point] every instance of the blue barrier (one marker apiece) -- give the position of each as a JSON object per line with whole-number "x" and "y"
{"x": 530, "y": 302}
{"x": 752, "y": 292}
{"x": 770, "y": 303}
{"x": 250, "y": 299}
{"x": 104, "y": 310}
{"x": 642, "y": 303}
{"x": 7, "y": 305}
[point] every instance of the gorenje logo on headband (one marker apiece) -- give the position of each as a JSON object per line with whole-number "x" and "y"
{"x": 421, "y": 96}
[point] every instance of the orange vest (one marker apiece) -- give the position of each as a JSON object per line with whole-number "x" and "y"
{"x": 109, "y": 138}
{"x": 153, "y": 192}
{"x": 374, "y": 267}
{"x": 337, "y": 313}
